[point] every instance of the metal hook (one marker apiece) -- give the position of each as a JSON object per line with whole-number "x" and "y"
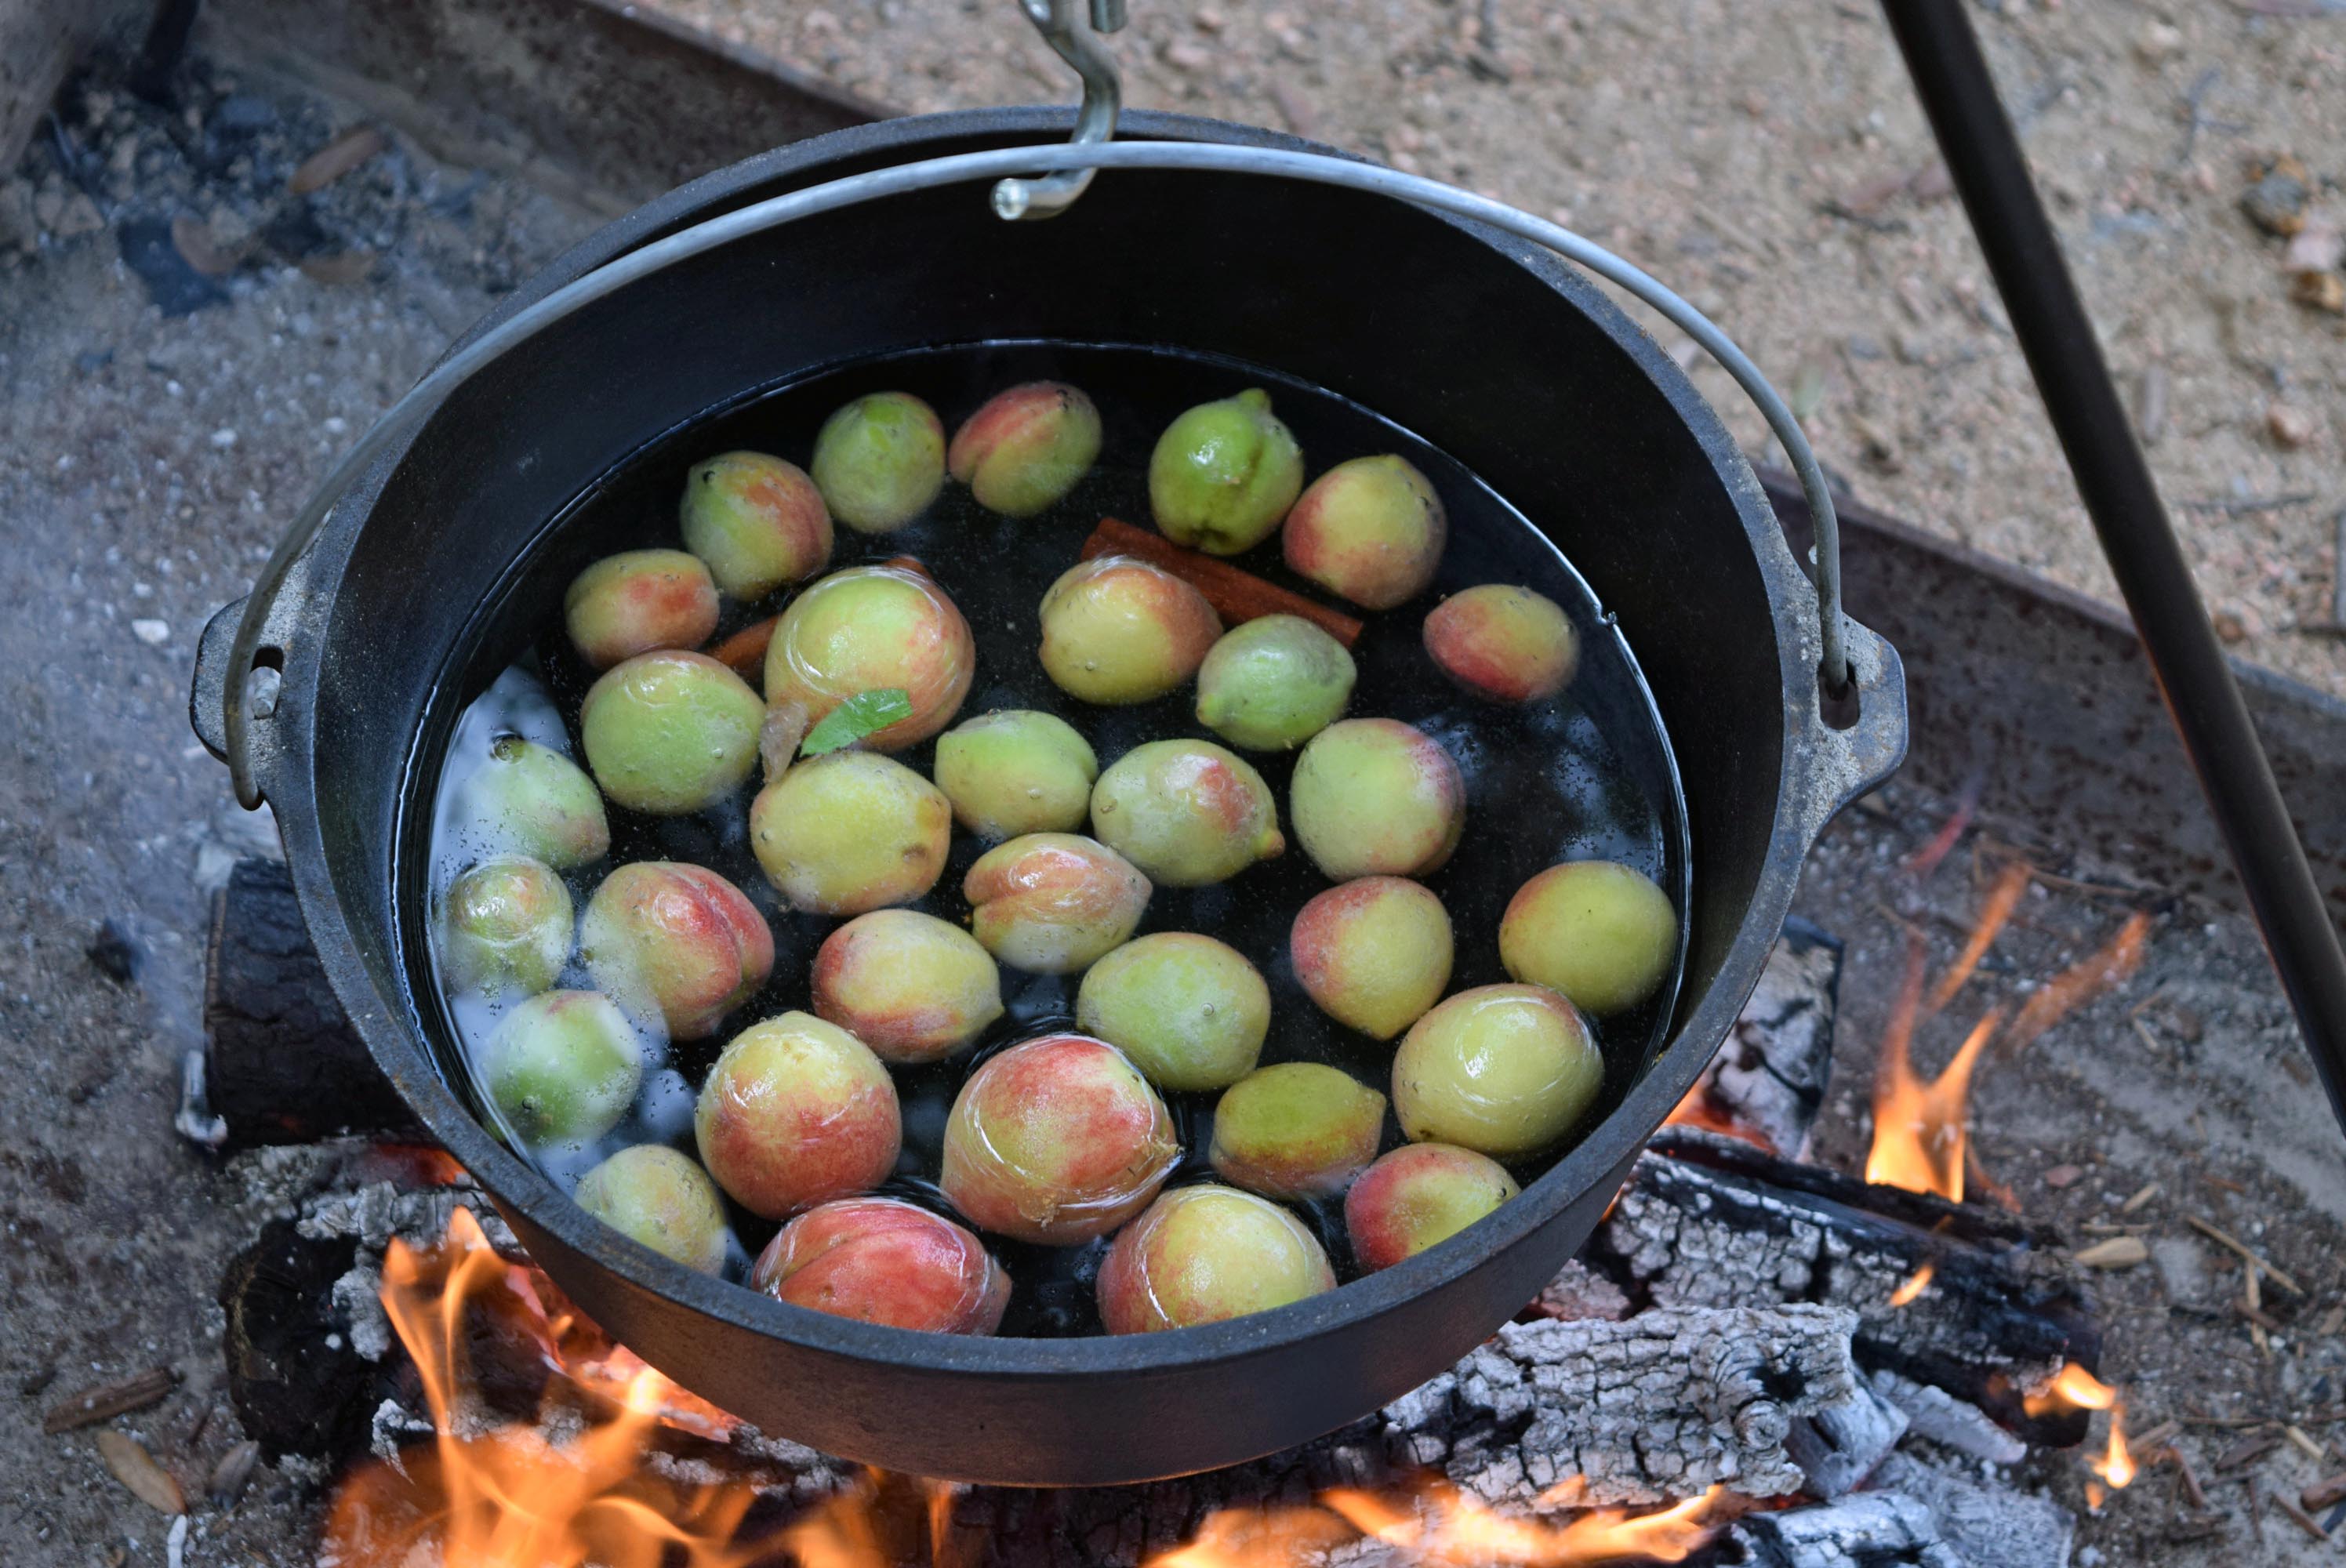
{"x": 1047, "y": 196}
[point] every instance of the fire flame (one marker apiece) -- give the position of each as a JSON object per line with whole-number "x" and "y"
{"x": 1444, "y": 1525}
{"x": 2116, "y": 1464}
{"x": 1914, "y": 1286}
{"x": 2074, "y": 1389}
{"x": 1918, "y": 1136}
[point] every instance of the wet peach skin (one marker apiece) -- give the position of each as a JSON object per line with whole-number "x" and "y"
{"x": 1056, "y": 1141}
{"x": 636, "y": 601}
{"x": 795, "y": 1113}
{"x": 692, "y": 941}
{"x": 882, "y": 1260}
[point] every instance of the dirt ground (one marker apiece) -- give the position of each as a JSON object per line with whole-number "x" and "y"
{"x": 147, "y": 459}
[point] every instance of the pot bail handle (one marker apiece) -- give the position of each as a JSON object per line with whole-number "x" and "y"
{"x": 1048, "y": 195}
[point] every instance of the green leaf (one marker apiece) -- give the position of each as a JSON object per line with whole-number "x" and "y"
{"x": 865, "y": 713}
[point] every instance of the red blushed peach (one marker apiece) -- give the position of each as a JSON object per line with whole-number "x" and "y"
{"x": 1374, "y": 953}
{"x": 1504, "y": 643}
{"x": 873, "y": 628}
{"x": 676, "y": 940}
{"x": 1119, "y": 630}
{"x": 636, "y": 601}
{"x": 1027, "y": 447}
{"x": 1056, "y": 1141}
{"x": 1187, "y": 812}
{"x": 882, "y": 1260}
{"x": 759, "y": 521}
{"x": 907, "y": 984}
{"x": 795, "y": 1113}
{"x": 1372, "y": 530}
{"x": 1416, "y": 1196}
{"x": 1052, "y": 903}
{"x": 1375, "y": 796}
{"x": 1206, "y": 1255}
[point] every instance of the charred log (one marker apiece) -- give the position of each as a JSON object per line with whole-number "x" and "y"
{"x": 1867, "y": 1529}
{"x": 1767, "y": 1082}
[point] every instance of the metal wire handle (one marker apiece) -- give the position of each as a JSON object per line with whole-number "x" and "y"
{"x": 1095, "y": 118}
{"x": 462, "y": 365}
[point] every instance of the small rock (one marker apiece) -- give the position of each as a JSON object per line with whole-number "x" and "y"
{"x": 49, "y": 205}
{"x": 18, "y": 226}
{"x": 2157, "y": 42}
{"x": 1209, "y": 20}
{"x": 78, "y": 217}
{"x": 176, "y": 288}
{"x": 1184, "y": 55}
{"x": 2275, "y": 202}
{"x": 241, "y": 114}
{"x": 2322, "y": 290}
{"x": 2229, "y": 626}
{"x": 1861, "y": 347}
{"x": 223, "y": 438}
{"x": 2291, "y": 427}
{"x": 154, "y": 634}
{"x": 2062, "y": 1176}
{"x": 114, "y": 951}
{"x": 193, "y": 241}
{"x": 2318, "y": 246}
{"x": 342, "y": 268}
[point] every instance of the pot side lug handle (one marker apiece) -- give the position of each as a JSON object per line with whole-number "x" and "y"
{"x": 208, "y": 698}
{"x": 1844, "y": 764}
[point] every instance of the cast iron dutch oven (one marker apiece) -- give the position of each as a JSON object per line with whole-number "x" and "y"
{"x": 1488, "y": 347}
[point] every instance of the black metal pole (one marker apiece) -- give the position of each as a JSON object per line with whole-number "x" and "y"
{"x": 1983, "y": 153}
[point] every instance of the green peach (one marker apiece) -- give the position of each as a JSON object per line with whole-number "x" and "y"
{"x": 1052, "y": 903}
{"x": 759, "y": 521}
{"x": 1507, "y": 644}
{"x": 879, "y": 461}
{"x": 1015, "y": 771}
{"x": 669, "y": 733}
{"x": 909, "y": 987}
{"x": 850, "y": 831}
{"x": 662, "y": 1198}
{"x": 1056, "y": 1141}
{"x": 1027, "y": 447}
{"x": 676, "y": 941}
{"x": 1503, "y": 1069}
{"x": 1207, "y": 1254}
{"x": 795, "y": 1113}
{"x": 563, "y": 1066}
{"x": 1296, "y": 1130}
{"x": 1118, "y": 630}
{"x": 873, "y": 628}
{"x": 1371, "y": 530}
{"x": 1601, "y": 934}
{"x": 636, "y": 601}
{"x": 1375, "y": 796}
{"x": 1191, "y": 1011}
{"x": 1187, "y": 812}
{"x": 505, "y": 923}
{"x": 534, "y": 800}
{"x": 1374, "y": 953}
{"x": 882, "y": 1260}
{"x": 1224, "y": 474}
{"x": 1418, "y": 1196}
{"x": 1274, "y": 682}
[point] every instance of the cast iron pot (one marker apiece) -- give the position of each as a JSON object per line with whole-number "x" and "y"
{"x": 1488, "y": 347}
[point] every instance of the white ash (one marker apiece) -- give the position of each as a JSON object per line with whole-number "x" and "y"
{"x": 1951, "y": 1422}
{"x": 1579, "y": 1292}
{"x": 1991, "y": 1527}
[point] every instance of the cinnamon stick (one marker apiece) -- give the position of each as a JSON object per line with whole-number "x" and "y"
{"x": 745, "y": 650}
{"x": 1235, "y": 594}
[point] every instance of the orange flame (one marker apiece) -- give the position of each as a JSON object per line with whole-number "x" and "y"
{"x": 2002, "y": 898}
{"x": 1259, "y": 1538}
{"x": 2116, "y": 1464}
{"x": 2079, "y": 983}
{"x": 1443, "y": 1526}
{"x": 2073, "y": 1389}
{"x": 1914, "y": 1286}
{"x": 1918, "y": 1136}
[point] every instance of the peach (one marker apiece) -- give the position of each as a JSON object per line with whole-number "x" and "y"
{"x": 1296, "y": 1130}
{"x": 849, "y": 832}
{"x": 873, "y": 628}
{"x": 636, "y": 601}
{"x": 562, "y": 1067}
{"x": 1601, "y": 934}
{"x": 795, "y": 1113}
{"x": 757, "y": 521}
{"x": 1374, "y": 953}
{"x": 1015, "y": 771}
{"x": 536, "y": 801}
{"x": 1187, "y": 812}
{"x": 1375, "y": 796}
{"x": 909, "y": 987}
{"x": 1056, "y": 1141}
{"x": 882, "y": 1260}
{"x": 1052, "y": 903}
{"x": 1207, "y": 1254}
{"x": 676, "y": 941}
{"x": 1503, "y": 1069}
{"x": 879, "y": 460}
{"x": 1191, "y": 1011}
{"x": 1027, "y": 447}
{"x": 670, "y": 733}
{"x": 1371, "y": 530}
{"x": 1117, "y": 630}
{"x": 661, "y": 1198}
{"x": 1417, "y": 1197}
{"x": 1507, "y": 644}
{"x": 1274, "y": 682}
{"x": 505, "y": 924}
{"x": 1224, "y": 474}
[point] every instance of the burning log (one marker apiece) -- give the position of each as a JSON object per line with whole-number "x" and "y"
{"x": 1767, "y": 1082}
{"x": 1867, "y": 1529}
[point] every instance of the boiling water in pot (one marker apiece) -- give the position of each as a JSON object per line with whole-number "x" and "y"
{"x": 1585, "y": 775}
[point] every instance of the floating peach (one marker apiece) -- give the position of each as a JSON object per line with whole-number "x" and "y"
{"x": 1508, "y": 644}
{"x": 1052, "y": 903}
{"x": 849, "y": 832}
{"x": 1375, "y": 796}
{"x": 1224, "y": 474}
{"x": 879, "y": 461}
{"x": 757, "y": 521}
{"x": 1191, "y": 1011}
{"x": 1204, "y": 1255}
{"x": 882, "y": 1260}
{"x": 1417, "y": 1197}
{"x": 536, "y": 801}
{"x": 1056, "y": 1141}
{"x": 670, "y": 732}
{"x": 636, "y": 601}
{"x": 676, "y": 940}
{"x": 1016, "y": 771}
{"x": 1503, "y": 1069}
{"x": 562, "y": 1067}
{"x": 1374, "y": 953}
{"x": 1274, "y": 682}
{"x": 1119, "y": 630}
{"x": 1187, "y": 812}
{"x": 873, "y": 628}
{"x": 1371, "y": 530}
{"x": 1601, "y": 934}
{"x": 795, "y": 1113}
{"x": 909, "y": 987}
{"x": 662, "y": 1198}
{"x": 505, "y": 924}
{"x": 1027, "y": 447}
{"x": 1296, "y": 1130}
